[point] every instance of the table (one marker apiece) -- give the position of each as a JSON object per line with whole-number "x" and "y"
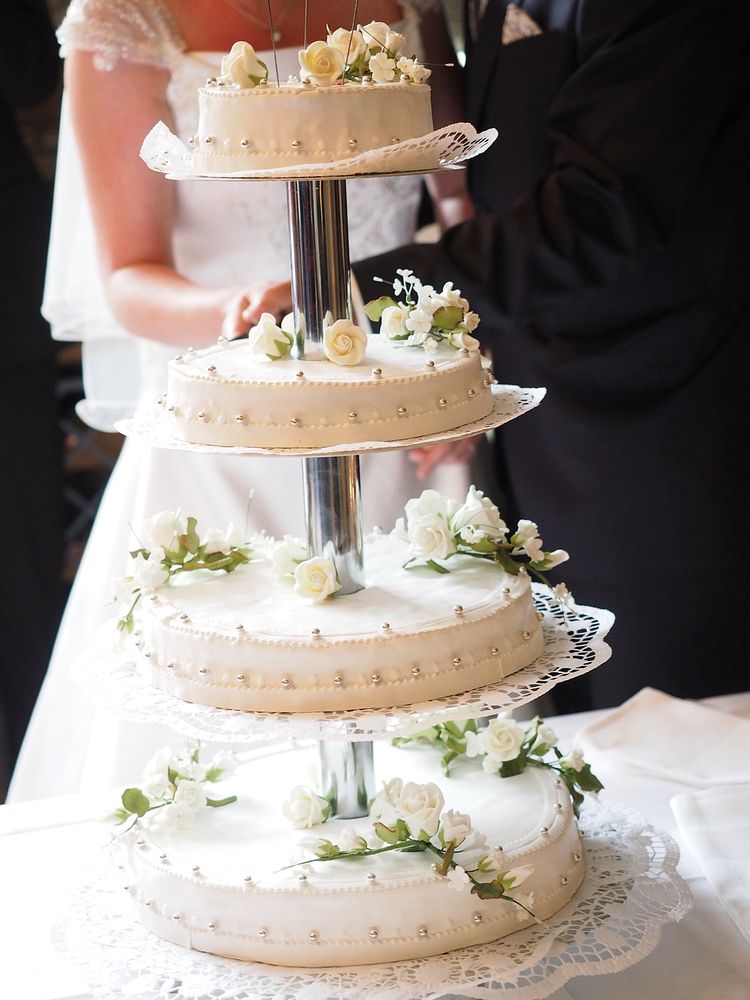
{"x": 46, "y": 846}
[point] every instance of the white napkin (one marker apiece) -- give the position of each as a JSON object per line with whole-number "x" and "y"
{"x": 671, "y": 738}
{"x": 715, "y": 825}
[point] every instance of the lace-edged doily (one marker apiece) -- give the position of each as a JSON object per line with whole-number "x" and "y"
{"x": 574, "y": 644}
{"x": 446, "y": 147}
{"x": 509, "y": 402}
{"x": 630, "y": 891}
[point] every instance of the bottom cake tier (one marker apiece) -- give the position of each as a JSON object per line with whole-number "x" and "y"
{"x": 222, "y": 883}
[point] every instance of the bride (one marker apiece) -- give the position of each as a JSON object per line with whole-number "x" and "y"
{"x": 140, "y": 267}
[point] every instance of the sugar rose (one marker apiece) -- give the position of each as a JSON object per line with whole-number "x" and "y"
{"x": 350, "y": 44}
{"x": 344, "y": 343}
{"x": 242, "y": 67}
{"x": 316, "y": 578}
{"x": 269, "y": 339}
{"x": 305, "y": 808}
{"x": 321, "y": 64}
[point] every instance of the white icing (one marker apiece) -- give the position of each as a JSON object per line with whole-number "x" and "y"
{"x": 337, "y": 901}
{"x": 291, "y": 123}
{"x": 252, "y": 402}
{"x": 246, "y": 640}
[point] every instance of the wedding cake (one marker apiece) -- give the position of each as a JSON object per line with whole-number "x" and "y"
{"x": 356, "y": 92}
{"x": 474, "y": 845}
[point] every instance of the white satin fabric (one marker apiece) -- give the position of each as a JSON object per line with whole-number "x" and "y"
{"x": 225, "y": 232}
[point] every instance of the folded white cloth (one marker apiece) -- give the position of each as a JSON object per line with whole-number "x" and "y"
{"x": 671, "y": 738}
{"x": 715, "y": 826}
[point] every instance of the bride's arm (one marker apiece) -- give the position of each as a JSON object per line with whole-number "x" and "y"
{"x": 133, "y": 208}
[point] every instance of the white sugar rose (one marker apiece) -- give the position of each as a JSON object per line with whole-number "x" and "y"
{"x": 159, "y": 764}
{"x": 499, "y": 742}
{"x": 190, "y": 796}
{"x": 375, "y": 33}
{"x": 351, "y": 840}
{"x": 526, "y": 540}
{"x": 471, "y": 321}
{"x": 451, "y": 296}
{"x": 351, "y": 44}
{"x": 479, "y": 513}
{"x": 223, "y": 765}
{"x": 517, "y": 876}
{"x": 321, "y": 64}
{"x": 545, "y": 736}
{"x": 242, "y": 67}
{"x": 563, "y": 596}
{"x": 471, "y": 850}
{"x": 287, "y": 555}
{"x": 430, "y": 537}
{"x": 393, "y": 322}
{"x": 455, "y": 827}
{"x": 162, "y": 530}
{"x": 158, "y": 787}
{"x": 316, "y": 578}
{"x": 430, "y": 502}
{"x": 217, "y": 540}
{"x": 344, "y": 343}
{"x": 266, "y": 338}
{"x": 573, "y": 760}
{"x": 385, "y": 804}
{"x": 395, "y": 42}
{"x": 420, "y": 806}
{"x": 382, "y": 67}
{"x": 149, "y": 574}
{"x": 124, "y": 590}
{"x": 305, "y": 808}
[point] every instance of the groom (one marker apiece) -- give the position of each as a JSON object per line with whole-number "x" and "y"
{"x": 609, "y": 260}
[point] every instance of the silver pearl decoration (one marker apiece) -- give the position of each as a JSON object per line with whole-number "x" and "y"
{"x": 196, "y": 869}
{"x": 300, "y": 375}
{"x": 141, "y": 842}
{"x": 302, "y": 877}
{"x": 313, "y": 935}
{"x": 456, "y": 661}
{"x": 385, "y": 626}
{"x": 338, "y": 680}
{"x": 395, "y": 138}
{"x": 371, "y": 877}
{"x": 285, "y": 682}
{"x": 178, "y": 357}
{"x": 170, "y": 409}
{"x": 203, "y": 671}
{"x": 373, "y": 933}
{"x": 557, "y": 807}
{"x": 240, "y": 418}
{"x": 244, "y": 143}
{"x": 544, "y": 831}
{"x": 212, "y": 925}
{"x": 163, "y": 858}
{"x": 472, "y": 392}
{"x": 402, "y": 411}
{"x": 465, "y": 352}
{"x": 540, "y": 615}
{"x": 147, "y": 654}
{"x": 262, "y": 932}
{"x": 176, "y": 916}
{"x": 577, "y": 858}
{"x": 210, "y": 139}
{"x": 442, "y": 401}
{"x": 376, "y": 678}
{"x": 170, "y": 666}
{"x": 315, "y": 633}
{"x": 154, "y": 598}
{"x": 295, "y": 421}
{"x": 526, "y": 635}
{"x": 506, "y": 590}
{"x": 458, "y": 610}
{"x": 494, "y": 651}
{"x": 148, "y": 902}
{"x": 241, "y": 678}
{"x": 212, "y": 368}
{"x": 248, "y": 880}
{"x": 296, "y": 143}
{"x": 557, "y": 783}
{"x": 184, "y": 617}
{"x": 376, "y": 372}
{"x": 422, "y": 932}
{"x": 430, "y": 363}
{"x": 351, "y": 142}
{"x": 240, "y": 627}
{"x": 202, "y": 415}
{"x": 477, "y": 918}
{"x": 352, "y": 415}
{"x": 416, "y": 671}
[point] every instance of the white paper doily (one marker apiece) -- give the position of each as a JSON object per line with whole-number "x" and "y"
{"x": 452, "y": 144}
{"x": 630, "y": 891}
{"x": 509, "y": 402}
{"x": 574, "y": 644}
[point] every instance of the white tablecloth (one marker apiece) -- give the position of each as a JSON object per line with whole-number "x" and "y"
{"x": 45, "y": 848}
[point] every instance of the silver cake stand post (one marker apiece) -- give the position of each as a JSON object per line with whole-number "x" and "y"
{"x": 319, "y": 231}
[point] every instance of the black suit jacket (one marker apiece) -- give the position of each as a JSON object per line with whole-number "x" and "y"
{"x": 609, "y": 262}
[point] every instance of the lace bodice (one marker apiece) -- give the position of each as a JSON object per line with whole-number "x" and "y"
{"x": 142, "y": 31}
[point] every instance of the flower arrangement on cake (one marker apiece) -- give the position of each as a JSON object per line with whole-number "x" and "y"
{"x": 424, "y": 317}
{"x": 507, "y": 749}
{"x": 170, "y": 544}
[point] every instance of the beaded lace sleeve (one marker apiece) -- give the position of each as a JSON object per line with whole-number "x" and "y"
{"x": 141, "y": 31}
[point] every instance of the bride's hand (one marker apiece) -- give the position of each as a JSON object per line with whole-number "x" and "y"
{"x": 246, "y": 307}
{"x": 432, "y": 455}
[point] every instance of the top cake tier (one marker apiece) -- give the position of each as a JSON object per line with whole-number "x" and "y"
{"x": 226, "y": 395}
{"x": 284, "y": 125}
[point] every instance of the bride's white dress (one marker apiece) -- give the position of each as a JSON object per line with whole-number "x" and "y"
{"x": 225, "y": 233}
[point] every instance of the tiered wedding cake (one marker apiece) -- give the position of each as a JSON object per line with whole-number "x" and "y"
{"x": 443, "y": 605}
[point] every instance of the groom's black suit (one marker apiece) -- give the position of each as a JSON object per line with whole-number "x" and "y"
{"x": 609, "y": 262}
